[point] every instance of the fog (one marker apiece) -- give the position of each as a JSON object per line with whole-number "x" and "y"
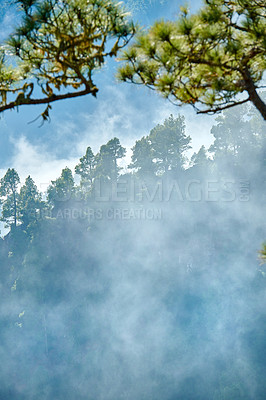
{"x": 157, "y": 293}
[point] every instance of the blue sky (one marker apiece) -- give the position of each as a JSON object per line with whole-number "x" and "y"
{"x": 122, "y": 110}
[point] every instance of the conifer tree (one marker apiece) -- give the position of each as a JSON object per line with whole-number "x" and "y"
{"x": 57, "y": 47}
{"x": 86, "y": 168}
{"x": 162, "y": 150}
{"x": 9, "y": 194}
{"x": 29, "y": 202}
{"x": 62, "y": 189}
{"x": 142, "y": 158}
{"x": 207, "y": 60}
{"x": 169, "y": 143}
{"x": 107, "y": 160}
{"x": 200, "y": 159}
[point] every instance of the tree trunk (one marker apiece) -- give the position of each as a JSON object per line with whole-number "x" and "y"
{"x": 253, "y": 95}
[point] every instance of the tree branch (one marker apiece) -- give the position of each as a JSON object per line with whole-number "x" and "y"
{"x": 217, "y": 109}
{"x": 50, "y": 99}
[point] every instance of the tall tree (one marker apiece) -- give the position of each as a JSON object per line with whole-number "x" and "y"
{"x": 9, "y": 192}
{"x": 206, "y": 60}
{"x": 29, "y": 202}
{"x": 142, "y": 158}
{"x": 86, "y": 168}
{"x": 107, "y": 159}
{"x": 200, "y": 159}
{"x": 59, "y": 45}
{"x": 61, "y": 190}
{"x": 169, "y": 143}
{"x": 235, "y": 136}
{"x": 162, "y": 150}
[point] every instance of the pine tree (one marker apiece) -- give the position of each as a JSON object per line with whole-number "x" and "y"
{"x": 235, "y": 136}
{"x": 162, "y": 150}
{"x": 9, "y": 193}
{"x": 169, "y": 143}
{"x": 107, "y": 160}
{"x": 59, "y": 45}
{"x": 142, "y": 158}
{"x": 200, "y": 159}
{"x": 206, "y": 60}
{"x": 86, "y": 169}
{"x": 62, "y": 190}
{"x": 30, "y": 202}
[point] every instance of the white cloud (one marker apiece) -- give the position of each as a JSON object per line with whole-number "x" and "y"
{"x": 129, "y": 116}
{"x": 38, "y": 163}
{"x": 117, "y": 113}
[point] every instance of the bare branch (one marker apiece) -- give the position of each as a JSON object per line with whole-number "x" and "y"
{"x": 218, "y": 109}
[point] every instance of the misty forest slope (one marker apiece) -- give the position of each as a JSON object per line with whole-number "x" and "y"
{"x": 150, "y": 291}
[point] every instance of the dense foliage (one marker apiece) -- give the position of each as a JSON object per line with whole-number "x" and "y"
{"x": 212, "y": 60}
{"x": 206, "y": 59}
{"x": 58, "y": 46}
{"x": 141, "y": 283}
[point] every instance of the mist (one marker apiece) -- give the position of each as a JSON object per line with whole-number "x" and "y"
{"x": 148, "y": 286}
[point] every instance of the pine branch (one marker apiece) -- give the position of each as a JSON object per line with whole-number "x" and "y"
{"x": 51, "y": 99}
{"x": 218, "y": 109}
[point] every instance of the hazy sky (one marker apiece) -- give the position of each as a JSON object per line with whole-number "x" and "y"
{"x": 120, "y": 109}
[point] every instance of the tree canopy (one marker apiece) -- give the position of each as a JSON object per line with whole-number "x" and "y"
{"x": 85, "y": 168}
{"x": 29, "y": 202}
{"x": 57, "y": 47}
{"x": 8, "y": 190}
{"x": 163, "y": 149}
{"x": 62, "y": 189}
{"x": 107, "y": 158}
{"x": 212, "y": 60}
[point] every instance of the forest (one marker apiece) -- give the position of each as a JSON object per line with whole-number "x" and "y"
{"x": 139, "y": 273}
{"x": 139, "y": 281}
